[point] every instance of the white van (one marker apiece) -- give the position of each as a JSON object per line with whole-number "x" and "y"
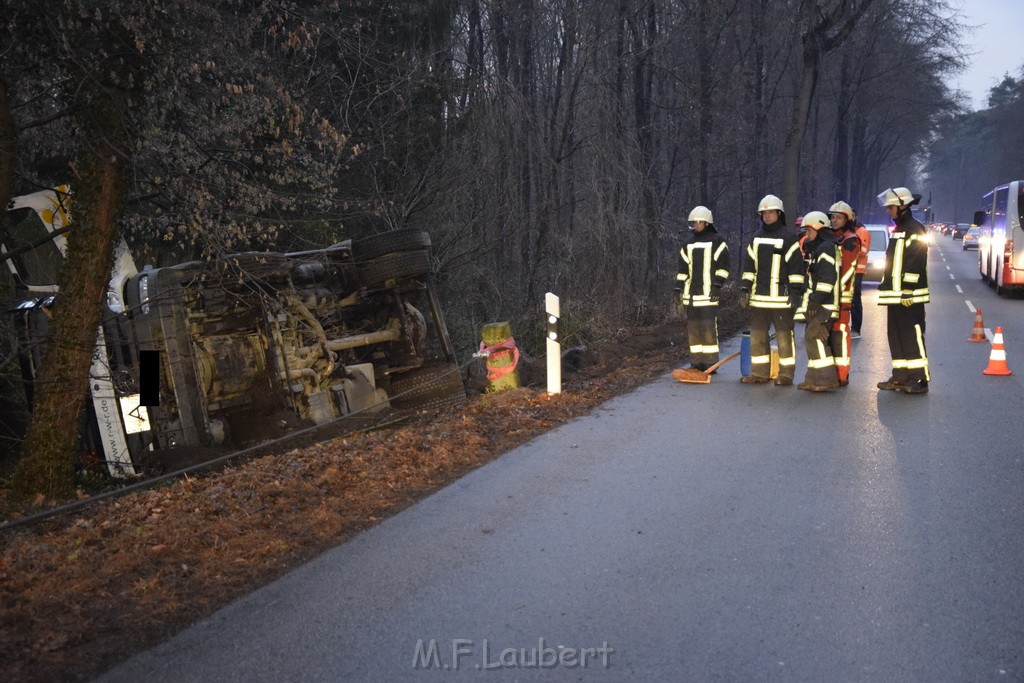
{"x": 876, "y": 252}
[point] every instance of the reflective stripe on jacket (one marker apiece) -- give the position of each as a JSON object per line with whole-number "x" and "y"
{"x": 906, "y": 264}
{"x": 823, "y": 273}
{"x": 849, "y": 249}
{"x": 865, "y": 247}
{"x": 703, "y": 265}
{"x": 773, "y": 267}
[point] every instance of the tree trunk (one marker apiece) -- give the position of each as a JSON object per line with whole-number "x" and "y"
{"x": 6, "y": 153}
{"x": 48, "y": 464}
{"x": 841, "y": 158}
{"x": 797, "y": 126}
{"x": 703, "y": 104}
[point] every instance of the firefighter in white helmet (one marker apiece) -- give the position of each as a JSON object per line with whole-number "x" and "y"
{"x": 703, "y": 269}
{"x": 822, "y": 302}
{"x": 772, "y": 285}
{"x": 904, "y": 290}
{"x": 841, "y": 216}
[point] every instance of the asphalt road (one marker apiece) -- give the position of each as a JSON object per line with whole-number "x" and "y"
{"x": 690, "y": 532}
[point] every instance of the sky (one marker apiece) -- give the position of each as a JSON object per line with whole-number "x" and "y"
{"x": 998, "y": 42}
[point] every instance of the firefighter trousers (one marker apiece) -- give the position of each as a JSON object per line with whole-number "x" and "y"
{"x": 761, "y": 319}
{"x": 839, "y": 340}
{"x": 821, "y": 366}
{"x": 702, "y": 329}
{"x": 906, "y": 343}
{"x": 857, "y": 309}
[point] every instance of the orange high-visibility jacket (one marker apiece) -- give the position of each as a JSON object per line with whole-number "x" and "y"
{"x": 865, "y": 246}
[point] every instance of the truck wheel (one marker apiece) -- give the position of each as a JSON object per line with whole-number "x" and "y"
{"x": 434, "y": 387}
{"x": 388, "y": 243}
{"x": 393, "y": 266}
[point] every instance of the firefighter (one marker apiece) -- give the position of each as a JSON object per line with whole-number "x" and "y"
{"x": 801, "y": 312}
{"x": 822, "y": 302}
{"x": 772, "y": 285}
{"x": 703, "y": 269}
{"x": 857, "y": 309}
{"x": 841, "y": 215}
{"x": 904, "y": 289}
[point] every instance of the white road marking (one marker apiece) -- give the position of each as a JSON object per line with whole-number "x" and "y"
{"x": 948, "y": 268}
{"x": 970, "y": 306}
{"x": 988, "y": 333}
{"x": 952, "y": 277}
{"x": 958, "y": 289}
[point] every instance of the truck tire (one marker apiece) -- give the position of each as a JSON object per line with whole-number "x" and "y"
{"x": 375, "y": 246}
{"x": 392, "y": 267}
{"x": 428, "y": 388}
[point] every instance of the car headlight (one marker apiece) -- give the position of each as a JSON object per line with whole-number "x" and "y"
{"x": 879, "y": 263}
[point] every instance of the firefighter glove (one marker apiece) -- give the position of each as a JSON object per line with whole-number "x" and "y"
{"x": 716, "y": 294}
{"x": 744, "y": 299}
{"x": 906, "y": 301}
{"x": 796, "y": 299}
{"x": 680, "y": 306}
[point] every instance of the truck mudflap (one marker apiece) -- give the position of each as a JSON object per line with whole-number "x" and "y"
{"x": 429, "y": 388}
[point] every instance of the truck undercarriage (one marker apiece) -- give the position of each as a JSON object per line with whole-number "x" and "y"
{"x": 214, "y": 353}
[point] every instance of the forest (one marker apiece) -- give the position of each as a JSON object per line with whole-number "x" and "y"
{"x": 545, "y": 145}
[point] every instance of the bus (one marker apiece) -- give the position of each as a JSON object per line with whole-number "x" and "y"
{"x": 1001, "y": 248}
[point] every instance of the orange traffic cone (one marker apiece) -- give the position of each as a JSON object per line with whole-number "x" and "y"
{"x": 997, "y": 360}
{"x": 978, "y": 335}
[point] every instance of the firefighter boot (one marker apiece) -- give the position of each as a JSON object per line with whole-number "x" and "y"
{"x": 914, "y": 387}
{"x": 897, "y": 380}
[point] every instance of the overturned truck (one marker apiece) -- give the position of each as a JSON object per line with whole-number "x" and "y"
{"x": 235, "y": 350}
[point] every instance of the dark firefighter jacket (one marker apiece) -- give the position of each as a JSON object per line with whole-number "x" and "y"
{"x": 773, "y": 267}
{"x": 823, "y": 272}
{"x": 703, "y": 267}
{"x": 906, "y": 264}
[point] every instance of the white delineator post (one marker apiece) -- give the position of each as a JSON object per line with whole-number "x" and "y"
{"x": 554, "y": 344}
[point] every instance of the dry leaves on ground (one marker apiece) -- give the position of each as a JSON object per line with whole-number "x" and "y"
{"x": 77, "y": 595}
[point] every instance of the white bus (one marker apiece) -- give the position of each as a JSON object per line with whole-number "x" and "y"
{"x": 1001, "y": 247}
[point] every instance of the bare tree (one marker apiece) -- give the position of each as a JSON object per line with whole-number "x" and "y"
{"x": 825, "y": 32}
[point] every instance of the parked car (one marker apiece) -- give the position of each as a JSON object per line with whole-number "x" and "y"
{"x": 959, "y": 230}
{"x": 971, "y": 238}
{"x": 876, "y": 252}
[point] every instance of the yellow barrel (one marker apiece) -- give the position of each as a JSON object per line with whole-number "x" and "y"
{"x": 502, "y": 356}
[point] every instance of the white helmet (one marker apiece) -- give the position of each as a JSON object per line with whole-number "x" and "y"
{"x": 843, "y": 208}
{"x": 700, "y": 213}
{"x": 816, "y": 220}
{"x": 769, "y": 203}
{"x": 899, "y": 196}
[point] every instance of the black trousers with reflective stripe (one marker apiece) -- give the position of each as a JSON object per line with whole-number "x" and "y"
{"x": 906, "y": 343}
{"x": 702, "y": 329}
{"x": 821, "y": 367}
{"x": 761, "y": 319}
